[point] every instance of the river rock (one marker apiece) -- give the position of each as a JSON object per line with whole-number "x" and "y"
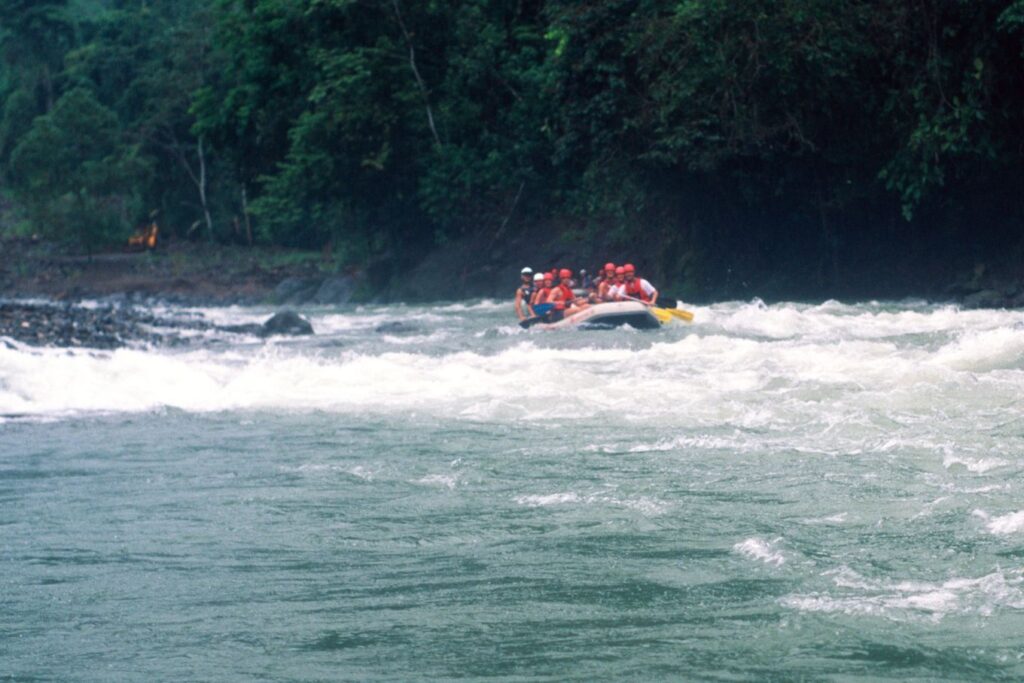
{"x": 396, "y": 327}
{"x": 286, "y": 322}
{"x": 335, "y": 290}
{"x": 68, "y": 325}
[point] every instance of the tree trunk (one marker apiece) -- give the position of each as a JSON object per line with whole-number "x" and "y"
{"x": 201, "y": 183}
{"x": 416, "y": 73}
{"x": 245, "y": 213}
{"x": 179, "y": 150}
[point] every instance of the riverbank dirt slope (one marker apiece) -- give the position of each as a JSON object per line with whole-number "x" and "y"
{"x": 181, "y": 271}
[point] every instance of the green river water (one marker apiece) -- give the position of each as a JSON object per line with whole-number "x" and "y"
{"x": 786, "y": 492}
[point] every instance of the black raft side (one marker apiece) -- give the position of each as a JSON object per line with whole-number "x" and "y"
{"x": 641, "y": 321}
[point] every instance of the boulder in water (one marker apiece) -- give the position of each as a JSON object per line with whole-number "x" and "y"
{"x": 287, "y": 322}
{"x": 396, "y": 327}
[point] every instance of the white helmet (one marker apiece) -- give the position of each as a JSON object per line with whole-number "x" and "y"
{"x": 539, "y": 277}
{"x": 526, "y": 271}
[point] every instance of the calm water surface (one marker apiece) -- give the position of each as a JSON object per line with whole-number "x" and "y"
{"x": 827, "y": 492}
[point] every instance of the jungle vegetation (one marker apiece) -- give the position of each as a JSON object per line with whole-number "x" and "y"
{"x": 811, "y": 137}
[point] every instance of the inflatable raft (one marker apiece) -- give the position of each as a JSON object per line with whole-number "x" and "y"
{"x": 603, "y": 316}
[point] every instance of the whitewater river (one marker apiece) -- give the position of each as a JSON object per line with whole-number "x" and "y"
{"x": 828, "y": 492}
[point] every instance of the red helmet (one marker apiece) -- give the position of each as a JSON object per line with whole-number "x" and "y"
{"x": 620, "y": 270}
{"x": 565, "y": 273}
{"x": 628, "y": 268}
{"x": 548, "y": 277}
{"x": 609, "y": 266}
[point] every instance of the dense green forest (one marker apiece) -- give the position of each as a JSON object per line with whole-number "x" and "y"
{"x": 822, "y": 142}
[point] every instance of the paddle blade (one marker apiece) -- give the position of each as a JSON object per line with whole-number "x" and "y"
{"x": 681, "y": 314}
{"x": 662, "y": 315}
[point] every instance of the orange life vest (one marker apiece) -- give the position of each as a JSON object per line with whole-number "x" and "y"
{"x": 634, "y": 290}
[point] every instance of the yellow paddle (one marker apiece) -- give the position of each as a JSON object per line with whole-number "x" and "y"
{"x": 680, "y": 313}
{"x": 664, "y": 314}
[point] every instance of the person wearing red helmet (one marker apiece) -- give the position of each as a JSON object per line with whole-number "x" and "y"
{"x": 634, "y": 287}
{"x": 562, "y": 292}
{"x": 616, "y": 289}
{"x": 543, "y": 290}
{"x": 562, "y": 295}
{"x": 607, "y": 282}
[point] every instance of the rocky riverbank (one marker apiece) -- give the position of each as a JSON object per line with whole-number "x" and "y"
{"x": 204, "y": 274}
{"x": 115, "y": 326}
{"x": 177, "y": 272}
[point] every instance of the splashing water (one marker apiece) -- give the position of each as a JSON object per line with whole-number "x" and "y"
{"x": 786, "y": 491}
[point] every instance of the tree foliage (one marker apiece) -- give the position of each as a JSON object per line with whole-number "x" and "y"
{"x": 383, "y": 127}
{"x": 80, "y": 177}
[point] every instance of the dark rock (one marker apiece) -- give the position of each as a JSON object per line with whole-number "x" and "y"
{"x": 396, "y": 327}
{"x": 295, "y": 290}
{"x": 66, "y": 325}
{"x": 286, "y": 322}
{"x": 107, "y": 327}
{"x": 335, "y": 290}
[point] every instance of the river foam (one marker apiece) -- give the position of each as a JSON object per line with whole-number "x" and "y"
{"x": 761, "y": 550}
{"x": 900, "y": 600}
{"x": 827, "y": 491}
{"x": 834, "y": 364}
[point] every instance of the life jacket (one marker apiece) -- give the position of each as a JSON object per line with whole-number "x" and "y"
{"x": 542, "y": 294}
{"x": 636, "y": 291}
{"x": 567, "y": 294}
{"x": 527, "y": 291}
